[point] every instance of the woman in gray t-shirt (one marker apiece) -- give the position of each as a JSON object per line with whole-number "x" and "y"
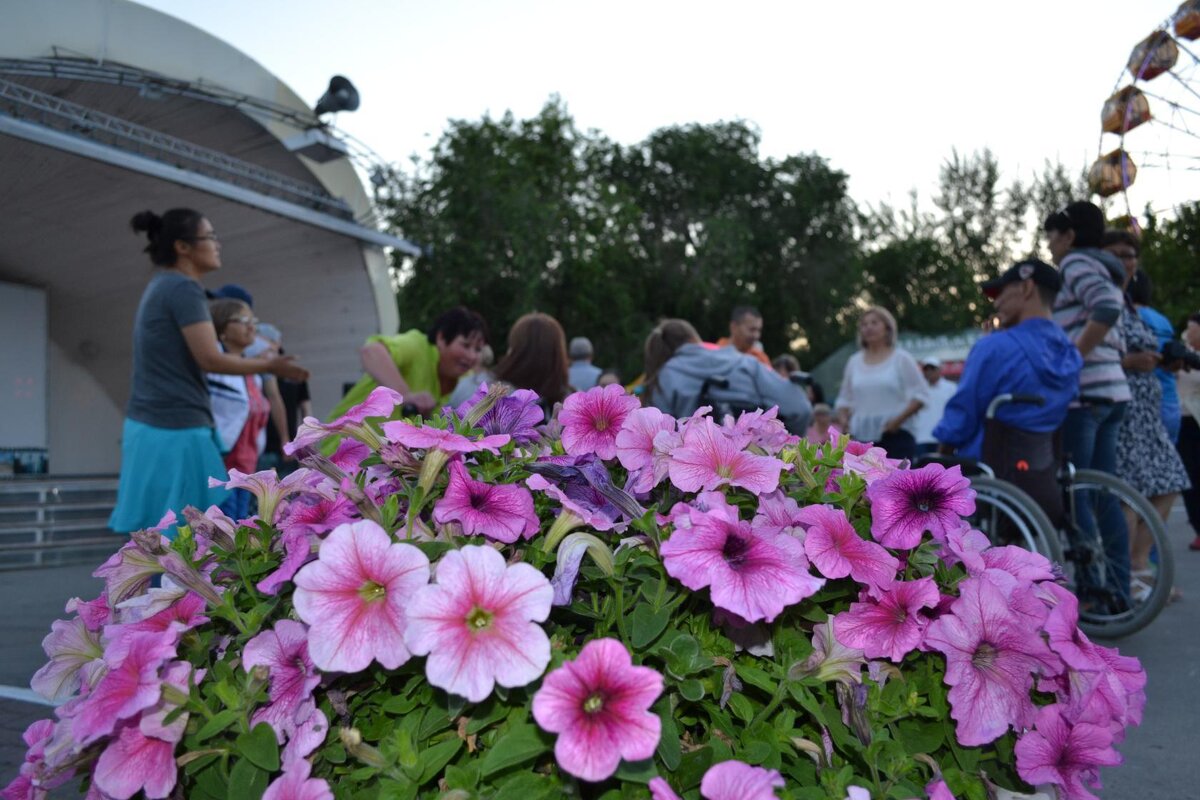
{"x": 168, "y": 444}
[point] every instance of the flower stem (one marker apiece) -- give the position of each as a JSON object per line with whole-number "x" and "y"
{"x": 776, "y": 699}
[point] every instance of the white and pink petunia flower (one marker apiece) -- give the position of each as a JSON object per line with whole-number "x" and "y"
{"x": 353, "y": 597}
{"x": 591, "y": 420}
{"x": 599, "y": 705}
{"x": 76, "y": 658}
{"x": 479, "y": 623}
{"x": 642, "y": 451}
{"x": 502, "y": 512}
{"x": 267, "y": 488}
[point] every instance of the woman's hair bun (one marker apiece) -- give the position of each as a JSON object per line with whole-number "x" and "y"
{"x": 146, "y": 222}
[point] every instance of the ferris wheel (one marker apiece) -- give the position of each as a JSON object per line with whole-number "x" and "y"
{"x": 1150, "y": 126}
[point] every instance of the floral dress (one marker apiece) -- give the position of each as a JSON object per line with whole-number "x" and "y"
{"x": 1146, "y": 457}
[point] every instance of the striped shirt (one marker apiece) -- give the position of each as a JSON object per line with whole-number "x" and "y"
{"x": 1089, "y": 293}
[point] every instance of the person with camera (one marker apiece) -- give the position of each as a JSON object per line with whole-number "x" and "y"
{"x": 1146, "y": 455}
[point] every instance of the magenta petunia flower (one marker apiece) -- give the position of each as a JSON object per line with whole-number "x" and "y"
{"x": 131, "y": 685}
{"x": 909, "y": 502}
{"x": 591, "y": 420}
{"x": 1064, "y": 754}
{"x": 353, "y": 597}
{"x": 503, "y": 512}
{"x": 709, "y": 458}
{"x": 891, "y": 626}
{"x": 640, "y": 448}
{"x": 836, "y": 549}
{"x": 992, "y": 660}
{"x": 309, "y": 734}
{"x": 295, "y": 784}
{"x": 267, "y": 488}
{"x": 134, "y": 762}
{"x": 425, "y": 437}
{"x": 760, "y": 428}
{"x": 76, "y": 658}
{"x": 516, "y": 414}
{"x": 319, "y": 515}
{"x": 36, "y": 777}
{"x": 599, "y": 705}
{"x": 94, "y": 613}
{"x": 735, "y": 780}
{"x": 584, "y": 487}
{"x": 755, "y": 574}
{"x": 379, "y": 404}
{"x": 283, "y": 650}
{"x": 479, "y": 623}
{"x": 297, "y": 548}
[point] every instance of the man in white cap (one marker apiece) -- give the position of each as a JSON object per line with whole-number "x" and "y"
{"x": 582, "y": 375}
{"x": 940, "y": 392}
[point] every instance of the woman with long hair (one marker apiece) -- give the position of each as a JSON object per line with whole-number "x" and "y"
{"x": 882, "y": 388}
{"x": 169, "y": 444}
{"x": 537, "y": 358}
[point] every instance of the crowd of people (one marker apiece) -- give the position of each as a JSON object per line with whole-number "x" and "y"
{"x": 213, "y": 391}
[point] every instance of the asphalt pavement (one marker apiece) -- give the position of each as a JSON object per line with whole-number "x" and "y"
{"x": 1159, "y": 755}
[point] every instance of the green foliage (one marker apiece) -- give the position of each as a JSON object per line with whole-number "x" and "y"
{"x": 1170, "y": 256}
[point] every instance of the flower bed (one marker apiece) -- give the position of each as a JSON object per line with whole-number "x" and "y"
{"x": 618, "y": 604}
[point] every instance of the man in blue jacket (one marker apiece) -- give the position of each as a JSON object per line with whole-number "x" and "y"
{"x": 1029, "y": 354}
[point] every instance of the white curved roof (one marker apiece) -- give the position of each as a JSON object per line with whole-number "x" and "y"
{"x": 131, "y": 34}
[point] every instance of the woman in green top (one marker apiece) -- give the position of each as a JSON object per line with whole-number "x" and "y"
{"x": 422, "y": 366}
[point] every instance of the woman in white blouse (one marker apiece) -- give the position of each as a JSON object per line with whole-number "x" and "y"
{"x": 882, "y": 388}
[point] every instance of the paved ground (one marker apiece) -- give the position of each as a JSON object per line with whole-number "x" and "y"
{"x": 1158, "y": 756}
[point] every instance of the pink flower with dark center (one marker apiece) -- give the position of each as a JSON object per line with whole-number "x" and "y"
{"x": 353, "y": 597}
{"x": 992, "y": 661}
{"x": 591, "y": 420}
{"x": 319, "y": 515}
{"x": 891, "y": 626}
{"x": 349, "y": 456}
{"x": 76, "y": 658}
{"x": 709, "y": 458}
{"x": 295, "y": 784}
{"x": 754, "y": 574}
{"x": 283, "y": 650}
{"x": 599, "y": 705}
{"x": 1064, "y": 754}
{"x": 479, "y": 623}
{"x": 734, "y": 780}
{"x": 503, "y": 512}
{"x": 130, "y": 686}
{"x": 640, "y": 448}
{"x": 907, "y": 503}
{"x": 425, "y": 437}
{"x": 133, "y": 762}
{"x": 836, "y": 549}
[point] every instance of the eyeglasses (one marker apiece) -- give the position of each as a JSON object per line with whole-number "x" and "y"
{"x": 245, "y": 320}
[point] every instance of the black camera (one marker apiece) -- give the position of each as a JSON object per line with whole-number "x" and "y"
{"x": 1175, "y": 350}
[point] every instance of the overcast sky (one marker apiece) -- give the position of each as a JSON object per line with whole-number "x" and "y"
{"x": 882, "y": 89}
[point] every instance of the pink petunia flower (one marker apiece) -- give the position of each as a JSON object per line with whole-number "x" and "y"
{"x": 591, "y": 420}
{"x": 349, "y": 456}
{"x": 503, "y": 512}
{"x": 836, "y": 549}
{"x": 94, "y": 613}
{"x": 761, "y": 429}
{"x": 353, "y": 597}
{"x": 709, "y": 458}
{"x": 319, "y": 515}
{"x": 891, "y": 626}
{"x": 1064, "y": 754}
{"x": 127, "y": 572}
{"x": 297, "y": 545}
{"x": 599, "y": 705}
{"x": 909, "y": 502}
{"x": 735, "y": 780}
{"x": 992, "y": 659}
{"x": 283, "y": 650}
{"x": 267, "y": 487}
{"x": 309, "y": 734}
{"x": 76, "y": 658}
{"x": 36, "y": 777}
{"x": 134, "y": 762}
{"x": 380, "y": 403}
{"x": 130, "y": 686}
{"x": 295, "y": 784}
{"x": 425, "y": 437}
{"x": 479, "y": 623}
{"x": 779, "y": 513}
{"x": 754, "y": 574}
{"x": 641, "y": 449}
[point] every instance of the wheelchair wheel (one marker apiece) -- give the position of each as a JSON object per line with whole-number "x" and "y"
{"x": 1009, "y": 516}
{"x": 1150, "y": 591}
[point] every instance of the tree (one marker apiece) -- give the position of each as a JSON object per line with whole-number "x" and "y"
{"x": 1170, "y": 255}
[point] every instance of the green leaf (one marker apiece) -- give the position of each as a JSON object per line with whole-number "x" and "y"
{"x": 646, "y": 624}
{"x": 489, "y": 712}
{"x": 920, "y": 737}
{"x": 756, "y": 677}
{"x": 260, "y": 747}
{"x": 436, "y": 757}
{"x": 396, "y": 789}
{"x": 211, "y": 783}
{"x": 220, "y": 721}
{"x": 247, "y": 781}
{"x": 692, "y": 767}
{"x": 757, "y": 752}
{"x": 669, "y": 750}
{"x": 741, "y": 706}
{"x": 637, "y": 771}
{"x": 528, "y": 786}
{"x": 516, "y": 745}
{"x": 692, "y": 690}
{"x": 465, "y": 777}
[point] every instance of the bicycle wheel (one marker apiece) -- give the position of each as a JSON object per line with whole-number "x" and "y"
{"x": 1009, "y": 516}
{"x": 1088, "y": 486}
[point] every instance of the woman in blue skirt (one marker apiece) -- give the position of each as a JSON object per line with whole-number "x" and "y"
{"x": 169, "y": 446}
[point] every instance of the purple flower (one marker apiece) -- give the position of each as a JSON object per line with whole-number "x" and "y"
{"x": 992, "y": 659}
{"x": 517, "y": 414}
{"x": 297, "y": 550}
{"x": 1065, "y": 754}
{"x": 907, "y": 503}
{"x": 584, "y": 487}
{"x": 734, "y": 780}
{"x": 599, "y": 705}
{"x": 891, "y": 626}
{"x": 283, "y": 650}
{"x": 295, "y": 784}
{"x": 503, "y": 512}
{"x": 836, "y": 549}
{"x": 754, "y": 574}
{"x": 591, "y": 420}
{"x": 709, "y": 458}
